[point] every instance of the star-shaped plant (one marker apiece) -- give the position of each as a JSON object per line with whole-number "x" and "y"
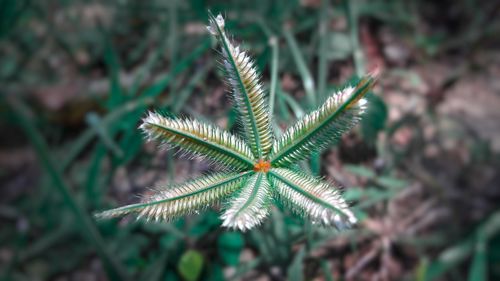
{"x": 259, "y": 166}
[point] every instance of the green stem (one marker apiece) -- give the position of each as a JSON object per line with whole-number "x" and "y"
{"x": 352, "y": 15}
{"x": 273, "y": 41}
{"x": 172, "y": 38}
{"x": 307, "y": 79}
{"x": 459, "y": 252}
{"x": 323, "y": 49}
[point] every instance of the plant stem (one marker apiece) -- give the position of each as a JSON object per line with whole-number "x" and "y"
{"x": 353, "y": 17}
{"x": 302, "y": 67}
{"x": 273, "y": 41}
{"x": 322, "y": 50}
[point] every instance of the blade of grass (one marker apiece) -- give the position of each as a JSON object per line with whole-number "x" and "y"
{"x": 297, "y": 110}
{"x": 263, "y": 247}
{"x": 86, "y": 137}
{"x": 93, "y": 194}
{"x": 266, "y": 29}
{"x": 309, "y": 87}
{"x": 146, "y": 99}
{"x": 45, "y": 242}
{"x": 172, "y": 38}
{"x": 273, "y": 42}
{"x": 88, "y": 229}
{"x": 283, "y": 110}
{"x": 326, "y": 271}
{"x": 155, "y": 270}
{"x": 478, "y": 270}
{"x": 95, "y": 122}
{"x": 295, "y": 271}
{"x": 322, "y": 49}
{"x": 352, "y": 7}
{"x": 178, "y": 102}
{"x": 306, "y": 76}
{"x": 454, "y": 255}
{"x": 112, "y": 61}
{"x": 153, "y": 59}
{"x": 278, "y": 231}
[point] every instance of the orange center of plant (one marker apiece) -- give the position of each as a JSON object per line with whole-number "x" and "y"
{"x": 262, "y": 166}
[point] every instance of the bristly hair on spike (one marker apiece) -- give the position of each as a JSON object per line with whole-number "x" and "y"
{"x": 247, "y": 90}
{"x": 257, "y": 164}
{"x": 251, "y": 205}
{"x": 200, "y": 139}
{"x": 311, "y": 197}
{"x": 322, "y": 127}
{"x": 182, "y": 199}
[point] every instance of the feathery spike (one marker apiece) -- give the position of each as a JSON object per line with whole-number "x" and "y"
{"x": 250, "y": 206}
{"x": 248, "y": 91}
{"x": 182, "y": 199}
{"x": 308, "y": 196}
{"x": 200, "y": 139}
{"x": 320, "y": 128}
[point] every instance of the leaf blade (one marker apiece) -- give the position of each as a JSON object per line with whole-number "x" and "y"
{"x": 305, "y": 74}
{"x": 479, "y": 269}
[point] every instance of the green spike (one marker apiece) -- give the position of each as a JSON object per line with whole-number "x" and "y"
{"x": 322, "y": 127}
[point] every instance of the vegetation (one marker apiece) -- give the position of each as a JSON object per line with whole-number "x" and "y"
{"x": 260, "y": 165}
{"x": 419, "y": 171}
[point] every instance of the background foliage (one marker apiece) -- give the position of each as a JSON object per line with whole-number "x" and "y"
{"x": 422, "y": 170}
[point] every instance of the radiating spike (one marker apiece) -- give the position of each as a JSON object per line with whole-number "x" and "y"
{"x": 247, "y": 89}
{"x": 182, "y": 199}
{"x": 310, "y": 197}
{"x": 200, "y": 139}
{"x": 250, "y": 206}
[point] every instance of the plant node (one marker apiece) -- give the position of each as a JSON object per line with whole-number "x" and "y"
{"x": 262, "y": 166}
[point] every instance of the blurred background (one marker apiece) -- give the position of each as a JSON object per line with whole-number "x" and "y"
{"x": 421, "y": 171}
